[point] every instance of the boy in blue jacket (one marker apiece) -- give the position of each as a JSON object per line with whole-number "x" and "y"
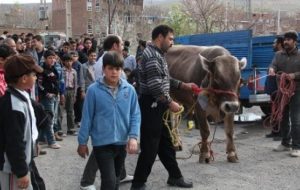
{"x": 111, "y": 116}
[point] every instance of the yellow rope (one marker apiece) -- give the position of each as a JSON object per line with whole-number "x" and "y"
{"x": 174, "y": 130}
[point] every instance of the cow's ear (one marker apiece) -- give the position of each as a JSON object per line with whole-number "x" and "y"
{"x": 243, "y": 63}
{"x": 206, "y": 64}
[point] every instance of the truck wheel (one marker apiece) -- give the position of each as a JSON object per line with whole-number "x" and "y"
{"x": 266, "y": 109}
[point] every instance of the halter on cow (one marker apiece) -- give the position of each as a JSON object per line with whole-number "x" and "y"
{"x": 218, "y": 73}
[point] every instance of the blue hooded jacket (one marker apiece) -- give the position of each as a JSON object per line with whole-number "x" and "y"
{"x": 108, "y": 119}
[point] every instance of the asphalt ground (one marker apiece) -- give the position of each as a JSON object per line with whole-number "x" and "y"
{"x": 259, "y": 168}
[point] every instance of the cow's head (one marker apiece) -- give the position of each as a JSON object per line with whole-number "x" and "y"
{"x": 224, "y": 79}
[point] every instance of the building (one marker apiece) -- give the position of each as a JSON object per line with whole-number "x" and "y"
{"x": 97, "y": 17}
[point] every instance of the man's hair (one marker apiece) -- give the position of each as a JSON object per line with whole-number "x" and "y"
{"x": 5, "y": 32}
{"x": 72, "y": 42}
{"x": 27, "y": 39}
{"x": 66, "y": 44}
{"x": 279, "y": 40}
{"x": 6, "y": 51}
{"x": 292, "y": 34}
{"x": 49, "y": 53}
{"x": 126, "y": 49}
{"x": 113, "y": 59}
{"x": 90, "y": 51}
{"x": 86, "y": 39}
{"x": 109, "y": 42}
{"x": 67, "y": 57}
{"x": 38, "y": 38}
{"x": 126, "y": 43}
{"x": 164, "y": 30}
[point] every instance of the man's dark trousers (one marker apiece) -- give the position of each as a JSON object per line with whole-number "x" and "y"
{"x": 155, "y": 140}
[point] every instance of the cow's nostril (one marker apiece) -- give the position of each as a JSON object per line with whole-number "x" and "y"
{"x": 227, "y": 107}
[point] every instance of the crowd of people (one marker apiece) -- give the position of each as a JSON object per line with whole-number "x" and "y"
{"x": 112, "y": 97}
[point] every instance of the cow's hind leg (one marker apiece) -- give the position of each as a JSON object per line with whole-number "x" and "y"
{"x": 204, "y": 156}
{"x": 230, "y": 147}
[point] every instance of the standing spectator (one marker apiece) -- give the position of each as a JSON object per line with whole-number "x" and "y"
{"x": 88, "y": 69}
{"x": 48, "y": 86}
{"x": 5, "y": 52}
{"x": 4, "y": 34}
{"x": 129, "y": 60}
{"x": 11, "y": 43}
{"x": 288, "y": 61}
{"x": 38, "y": 45}
{"x": 78, "y": 67}
{"x": 70, "y": 78}
{"x": 83, "y": 54}
{"x": 113, "y": 129}
{"x": 155, "y": 82}
{"x": 73, "y": 45}
{"x": 271, "y": 88}
{"x": 64, "y": 50}
{"x": 17, "y": 135}
{"x": 140, "y": 50}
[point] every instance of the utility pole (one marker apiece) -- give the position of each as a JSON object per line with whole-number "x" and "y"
{"x": 68, "y": 19}
{"x": 278, "y": 22}
{"x": 248, "y": 5}
{"x": 226, "y": 16}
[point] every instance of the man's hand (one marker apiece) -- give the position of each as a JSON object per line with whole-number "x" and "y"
{"x": 271, "y": 71}
{"x": 174, "y": 107}
{"x": 83, "y": 150}
{"x": 132, "y": 146}
{"x": 23, "y": 182}
{"x": 187, "y": 86}
{"x": 292, "y": 76}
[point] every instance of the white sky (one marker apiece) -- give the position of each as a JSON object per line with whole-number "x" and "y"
{"x": 23, "y": 1}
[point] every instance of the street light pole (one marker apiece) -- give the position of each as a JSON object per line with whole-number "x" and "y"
{"x": 68, "y": 19}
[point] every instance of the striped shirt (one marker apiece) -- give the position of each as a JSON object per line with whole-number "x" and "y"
{"x": 154, "y": 78}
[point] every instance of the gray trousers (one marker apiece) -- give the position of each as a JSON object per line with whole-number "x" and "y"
{"x": 69, "y": 106}
{"x": 290, "y": 125}
{"x": 9, "y": 182}
{"x": 90, "y": 170}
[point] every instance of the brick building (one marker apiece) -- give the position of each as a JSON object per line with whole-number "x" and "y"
{"x": 92, "y": 16}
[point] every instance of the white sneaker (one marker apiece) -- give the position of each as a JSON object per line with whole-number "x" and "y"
{"x": 281, "y": 148}
{"x": 128, "y": 178}
{"x": 90, "y": 187}
{"x": 295, "y": 153}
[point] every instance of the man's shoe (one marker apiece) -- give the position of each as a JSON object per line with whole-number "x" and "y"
{"x": 127, "y": 178}
{"x": 179, "y": 182}
{"x": 143, "y": 187}
{"x": 54, "y": 146}
{"x": 295, "y": 153}
{"x": 281, "y": 148}
{"x": 90, "y": 187}
{"x": 73, "y": 133}
{"x": 273, "y": 134}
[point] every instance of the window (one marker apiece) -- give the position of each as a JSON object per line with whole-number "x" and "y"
{"x": 128, "y": 17}
{"x": 90, "y": 26}
{"x": 97, "y": 6}
{"x": 126, "y": 2}
{"x": 89, "y": 5}
{"x": 97, "y": 29}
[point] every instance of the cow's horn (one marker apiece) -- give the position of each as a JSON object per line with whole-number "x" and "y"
{"x": 243, "y": 63}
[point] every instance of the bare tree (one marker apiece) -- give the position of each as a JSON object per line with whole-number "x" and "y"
{"x": 111, "y": 8}
{"x": 204, "y": 12}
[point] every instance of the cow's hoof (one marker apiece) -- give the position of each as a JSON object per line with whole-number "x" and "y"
{"x": 204, "y": 158}
{"x": 232, "y": 158}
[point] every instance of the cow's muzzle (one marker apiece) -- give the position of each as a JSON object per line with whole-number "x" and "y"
{"x": 230, "y": 106}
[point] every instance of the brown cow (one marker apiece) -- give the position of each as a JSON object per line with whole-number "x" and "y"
{"x": 221, "y": 71}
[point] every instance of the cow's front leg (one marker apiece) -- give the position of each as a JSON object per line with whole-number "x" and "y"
{"x": 204, "y": 132}
{"x": 230, "y": 148}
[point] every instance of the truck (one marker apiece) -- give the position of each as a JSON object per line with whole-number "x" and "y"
{"x": 259, "y": 53}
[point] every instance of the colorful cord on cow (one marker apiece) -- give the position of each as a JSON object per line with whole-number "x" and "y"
{"x": 282, "y": 98}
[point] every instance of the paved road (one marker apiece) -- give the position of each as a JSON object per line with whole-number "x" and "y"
{"x": 259, "y": 166}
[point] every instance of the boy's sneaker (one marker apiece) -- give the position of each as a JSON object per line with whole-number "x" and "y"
{"x": 128, "y": 178}
{"x": 90, "y": 187}
{"x": 295, "y": 153}
{"x": 281, "y": 148}
{"x": 54, "y": 146}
